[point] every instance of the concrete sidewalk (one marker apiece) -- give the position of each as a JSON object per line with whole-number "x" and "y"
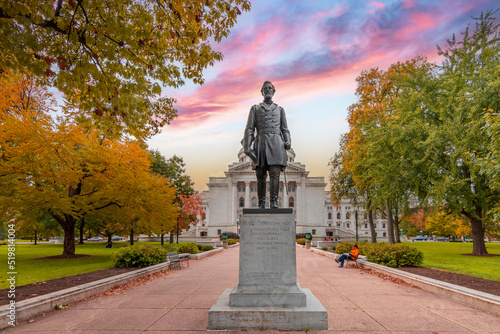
{"x": 179, "y": 303}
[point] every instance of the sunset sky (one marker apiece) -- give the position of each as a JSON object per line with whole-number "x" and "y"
{"x": 312, "y": 51}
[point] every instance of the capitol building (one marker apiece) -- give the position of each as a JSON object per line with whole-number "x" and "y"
{"x": 314, "y": 212}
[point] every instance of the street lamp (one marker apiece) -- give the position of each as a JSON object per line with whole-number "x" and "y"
{"x": 356, "y": 219}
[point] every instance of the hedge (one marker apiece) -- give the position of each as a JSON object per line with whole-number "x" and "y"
{"x": 396, "y": 255}
{"x": 139, "y": 256}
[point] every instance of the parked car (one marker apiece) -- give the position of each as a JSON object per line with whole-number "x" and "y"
{"x": 116, "y": 239}
{"x": 420, "y": 239}
{"x": 442, "y": 239}
{"x": 94, "y": 239}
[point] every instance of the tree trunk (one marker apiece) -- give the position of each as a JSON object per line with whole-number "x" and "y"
{"x": 82, "y": 224}
{"x": 478, "y": 245}
{"x": 396, "y": 226}
{"x": 390, "y": 224}
{"x": 372, "y": 227}
{"x": 131, "y": 237}
{"x": 162, "y": 239}
{"x": 109, "y": 235}
{"x": 69, "y": 236}
{"x": 171, "y": 238}
{"x": 36, "y": 237}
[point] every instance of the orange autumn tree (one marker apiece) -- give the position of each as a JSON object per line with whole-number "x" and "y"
{"x": 190, "y": 213}
{"x": 443, "y": 224}
{"x": 57, "y": 166}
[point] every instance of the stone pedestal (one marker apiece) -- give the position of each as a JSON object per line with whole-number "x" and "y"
{"x": 267, "y": 295}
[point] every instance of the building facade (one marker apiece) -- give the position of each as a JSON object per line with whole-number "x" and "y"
{"x": 227, "y": 196}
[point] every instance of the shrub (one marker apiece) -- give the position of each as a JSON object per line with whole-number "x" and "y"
{"x": 205, "y": 247}
{"x": 171, "y": 248}
{"x": 139, "y": 256}
{"x": 346, "y": 247}
{"x": 301, "y": 241}
{"x": 188, "y": 247}
{"x": 324, "y": 248}
{"x": 397, "y": 255}
{"x": 300, "y": 235}
{"x": 232, "y": 241}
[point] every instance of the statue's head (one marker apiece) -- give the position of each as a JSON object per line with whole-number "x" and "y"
{"x": 267, "y": 90}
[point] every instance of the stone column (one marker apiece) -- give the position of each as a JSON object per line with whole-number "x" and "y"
{"x": 248, "y": 204}
{"x": 234, "y": 204}
{"x": 285, "y": 195}
{"x": 298, "y": 203}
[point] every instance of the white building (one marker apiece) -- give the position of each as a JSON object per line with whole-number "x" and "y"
{"x": 227, "y": 196}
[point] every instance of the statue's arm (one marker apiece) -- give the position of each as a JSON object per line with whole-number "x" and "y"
{"x": 284, "y": 130}
{"x": 249, "y": 134}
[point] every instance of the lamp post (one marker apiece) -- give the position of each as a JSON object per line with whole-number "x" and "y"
{"x": 356, "y": 219}
{"x": 177, "y": 229}
{"x": 238, "y": 227}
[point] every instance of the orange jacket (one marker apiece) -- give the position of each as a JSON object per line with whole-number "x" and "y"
{"x": 354, "y": 253}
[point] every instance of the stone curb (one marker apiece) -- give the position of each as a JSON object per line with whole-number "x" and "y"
{"x": 208, "y": 253}
{"x": 32, "y": 307}
{"x": 473, "y": 298}
{"x": 205, "y": 254}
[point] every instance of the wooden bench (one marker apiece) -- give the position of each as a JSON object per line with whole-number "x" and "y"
{"x": 176, "y": 259}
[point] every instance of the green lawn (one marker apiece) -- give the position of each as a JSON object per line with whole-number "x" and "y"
{"x": 449, "y": 256}
{"x": 30, "y": 270}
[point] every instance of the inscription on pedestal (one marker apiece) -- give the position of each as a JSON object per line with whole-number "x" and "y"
{"x": 267, "y": 250}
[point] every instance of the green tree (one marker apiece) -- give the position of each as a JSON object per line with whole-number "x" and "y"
{"x": 173, "y": 170}
{"x": 449, "y": 108}
{"x": 111, "y": 59}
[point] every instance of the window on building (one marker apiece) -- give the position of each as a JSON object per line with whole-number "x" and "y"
{"x": 347, "y": 215}
{"x": 366, "y": 225}
{"x": 330, "y": 225}
{"x": 385, "y": 234}
{"x": 203, "y": 234}
{"x": 291, "y": 202}
{"x": 338, "y": 215}
{"x": 219, "y": 232}
{"x": 254, "y": 202}
{"x": 329, "y": 215}
{"x": 365, "y": 216}
{"x": 383, "y": 225}
{"x": 253, "y": 187}
{"x": 242, "y": 202}
{"x": 313, "y": 231}
{"x": 348, "y": 225}
{"x": 348, "y": 208}
{"x": 291, "y": 187}
{"x": 338, "y": 224}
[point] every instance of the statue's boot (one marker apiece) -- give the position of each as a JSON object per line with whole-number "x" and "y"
{"x": 274, "y": 184}
{"x": 261, "y": 193}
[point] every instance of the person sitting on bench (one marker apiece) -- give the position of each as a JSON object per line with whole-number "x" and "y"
{"x": 353, "y": 255}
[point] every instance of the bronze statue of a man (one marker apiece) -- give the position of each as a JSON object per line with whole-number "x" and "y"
{"x": 267, "y": 130}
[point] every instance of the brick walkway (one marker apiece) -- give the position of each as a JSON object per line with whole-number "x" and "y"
{"x": 179, "y": 303}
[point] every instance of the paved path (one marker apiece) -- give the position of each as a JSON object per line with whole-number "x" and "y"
{"x": 179, "y": 303}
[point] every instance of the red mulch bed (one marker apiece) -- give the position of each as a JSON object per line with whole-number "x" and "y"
{"x": 476, "y": 283}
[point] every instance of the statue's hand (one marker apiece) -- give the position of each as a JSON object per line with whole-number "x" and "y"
{"x": 288, "y": 146}
{"x": 252, "y": 155}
